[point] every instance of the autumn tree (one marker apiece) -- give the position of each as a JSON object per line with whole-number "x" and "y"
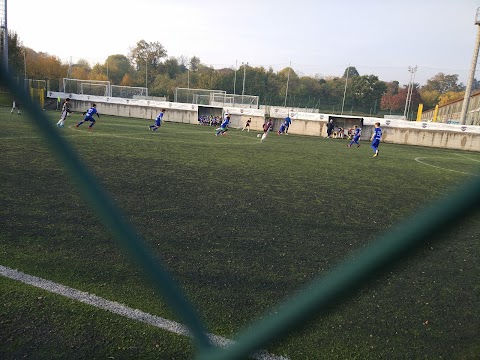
{"x": 430, "y": 98}
{"x": 45, "y": 66}
{"x": 147, "y": 57}
{"x": 116, "y": 67}
{"x": 449, "y": 96}
{"x": 80, "y": 70}
{"x": 442, "y": 83}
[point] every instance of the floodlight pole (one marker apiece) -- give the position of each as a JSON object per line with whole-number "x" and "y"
{"x": 411, "y": 91}
{"x": 235, "y": 80}
{"x": 411, "y": 71}
{"x": 468, "y": 90}
{"x": 244, "y": 73}
{"x": 25, "y": 63}
{"x": 5, "y": 38}
{"x": 345, "y": 89}
{"x": 288, "y": 80}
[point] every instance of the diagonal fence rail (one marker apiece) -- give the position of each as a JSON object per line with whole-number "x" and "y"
{"x": 319, "y": 298}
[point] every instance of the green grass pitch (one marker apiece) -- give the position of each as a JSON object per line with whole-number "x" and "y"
{"x": 241, "y": 225}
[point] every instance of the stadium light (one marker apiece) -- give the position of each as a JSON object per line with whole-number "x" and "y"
{"x": 288, "y": 80}
{"x": 468, "y": 90}
{"x": 25, "y": 62}
{"x": 3, "y": 25}
{"x": 244, "y": 72}
{"x": 412, "y": 72}
{"x": 235, "y": 79}
{"x": 345, "y": 89}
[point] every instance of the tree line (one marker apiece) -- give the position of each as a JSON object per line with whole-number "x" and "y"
{"x": 147, "y": 64}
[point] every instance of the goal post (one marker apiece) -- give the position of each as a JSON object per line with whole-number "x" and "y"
{"x": 86, "y": 87}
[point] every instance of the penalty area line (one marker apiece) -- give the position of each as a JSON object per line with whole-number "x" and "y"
{"x": 419, "y": 160}
{"x": 122, "y": 310}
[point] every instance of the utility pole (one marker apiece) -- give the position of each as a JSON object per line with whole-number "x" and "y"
{"x": 468, "y": 90}
{"x": 288, "y": 80}
{"x": 345, "y": 89}
{"x": 409, "y": 90}
{"x": 244, "y": 73}
{"x": 3, "y": 25}
{"x": 24, "y": 64}
{"x": 235, "y": 80}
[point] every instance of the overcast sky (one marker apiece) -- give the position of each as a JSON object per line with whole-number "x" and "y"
{"x": 380, "y": 37}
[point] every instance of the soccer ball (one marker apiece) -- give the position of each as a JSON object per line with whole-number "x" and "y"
{"x": 259, "y": 135}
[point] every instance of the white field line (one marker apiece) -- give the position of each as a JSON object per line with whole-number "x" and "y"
{"x": 122, "y": 136}
{"x": 469, "y": 158}
{"x": 419, "y": 160}
{"x": 121, "y": 309}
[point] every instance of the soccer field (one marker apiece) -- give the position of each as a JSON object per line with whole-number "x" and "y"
{"x": 241, "y": 225}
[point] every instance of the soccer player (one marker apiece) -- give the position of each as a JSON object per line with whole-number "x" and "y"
{"x": 223, "y": 127}
{"x": 288, "y": 121}
{"x": 15, "y": 105}
{"x": 376, "y": 136}
{"x": 89, "y": 116}
{"x": 247, "y": 125}
{"x": 158, "y": 121}
{"x": 65, "y": 111}
{"x": 356, "y": 136}
{"x": 282, "y": 129}
{"x": 266, "y": 129}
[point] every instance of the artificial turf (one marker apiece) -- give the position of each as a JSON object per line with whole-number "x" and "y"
{"x": 241, "y": 225}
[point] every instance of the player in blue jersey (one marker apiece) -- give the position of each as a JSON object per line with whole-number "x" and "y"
{"x": 89, "y": 116}
{"x": 158, "y": 121}
{"x": 376, "y": 136}
{"x": 287, "y": 123}
{"x": 356, "y": 136}
{"x": 282, "y": 129}
{"x": 223, "y": 127}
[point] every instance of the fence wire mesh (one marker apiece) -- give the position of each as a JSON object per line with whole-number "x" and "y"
{"x": 320, "y": 297}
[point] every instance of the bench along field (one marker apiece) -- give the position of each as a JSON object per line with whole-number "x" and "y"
{"x": 241, "y": 225}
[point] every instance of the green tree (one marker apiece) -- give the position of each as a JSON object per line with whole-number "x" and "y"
{"x": 194, "y": 63}
{"x": 442, "y": 83}
{"x": 15, "y": 53}
{"x": 430, "y": 98}
{"x": 171, "y": 67}
{"x": 116, "y": 67}
{"x": 146, "y": 58}
{"x": 352, "y": 72}
{"x": 366, "y": 92}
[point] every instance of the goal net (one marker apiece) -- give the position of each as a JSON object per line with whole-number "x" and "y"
{"x": 129, "y": 92}
{"x": 86, "y": 87}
